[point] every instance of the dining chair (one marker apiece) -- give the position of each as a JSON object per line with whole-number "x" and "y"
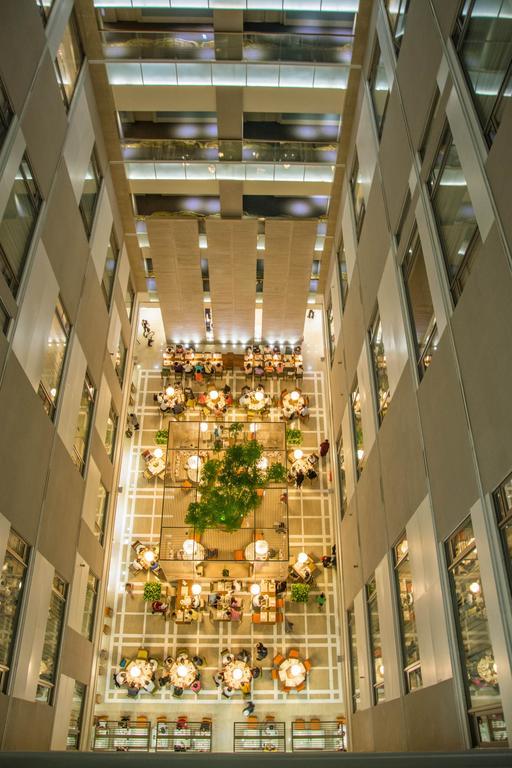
{"x": 300, "y": 687}
{"x": 314, "y": 723}
{"x": 142, "y": 654}
{"x": 285, "y": 689}
{"x": 293, "y": 653}
{"x": 307, "y": 665}
{"x": 196, "y": 686}
{"x": 299, "y": 724}
{"x": 133, "y": 693}
{"x": 278, "y": 659}
{"x": 275, "y": 674}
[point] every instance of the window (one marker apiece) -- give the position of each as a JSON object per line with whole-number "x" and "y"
{"x": 12, "y": 584}
{"x": 17, "y": 225}
{"x": 397, "y": 15}
{"x": 52, "y": 641}
{"x": 45, "y": 7}
{"x": 356, "y": 188}
{"x": 483, "y": 38}
{"x": 341, "y": 474}
{"x": 354, "y": 664}
{"x": 53, "y": 360}
{"x": 330, "y": 326}
{"x": 377, "y": 670}
{"x": 83, "y": 427}
{"x": 419, "y": 300}
{"x": 91, "y": 598}
{"x": 109, "y": 272}
{"x": 129, "y": 300}
{"x": 475, "y": 649}
{"x": 110, "y": 435}
{"x": 380, "y": 368}
{"x": 76, "y": 716}
{"x": 357, "y": 423}
{"x": 121, "y": 359}
{"x": 5, "y": 319}
{"x": 432, "y": 114}
{"x": 101, "y": 513}
{"x": 90, "y": 192}
{"x": 408, "y": 631}
{"x": 456, "y": 222}
{"x": 342, "y": 271}
{"x": 6, "y": 114}
{"x": 503, "y": 504}
{"x": 379, "y": 87}
{"x": 260, "y": 275}
{"x": 68, "y": 61}
{"x": 403, "y": 217}
{"x": 205, "y": 275}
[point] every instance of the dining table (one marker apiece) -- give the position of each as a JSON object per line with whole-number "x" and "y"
{"x": 138, "y": 673}
{"x": 291, "y": 408}
{"x": 255, "y": 400}
{"x": 182, "y": 672}
{"x": 156, "y": 466}
{"x": 237, "y": 674}
{"x": 216, "y": 404}
{"x": 292, "y": 672}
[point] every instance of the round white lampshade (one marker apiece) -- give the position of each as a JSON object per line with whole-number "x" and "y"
{"x": 255, "y": 589}
{"x": 135, "y": 672}
{"x": 196, "y": 589}
{"x": 252, "y": 427}
{"x": 158, "y": 453}
{"x": 214, "y": 395}
{"x": 149, "y": 556}
{"x": 259, "y": 395}
{"x": 474, "y": 587}
{"x": 203, "y": 426}
{"x": 189, "y": 545}
{"x": 194, "y": 461}
{"x": 261, "y": 547}
{"x": 302, "y": 558}
{"x": 238, "y": 673}
{"x": 298, "y": 454}
{"x": 294, "y": 395}
{"x": 53, "y": 391}
{"x": 296, "y": 670}
{"x": 263, "y": 463}
{"x": 169, "y": 391}
{"x": 182, "y": 670}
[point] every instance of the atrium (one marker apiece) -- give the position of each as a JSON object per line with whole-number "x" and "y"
{"x": 255, "y": 364}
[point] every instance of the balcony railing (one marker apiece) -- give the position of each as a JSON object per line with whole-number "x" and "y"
{"x": 166, "y": 150}
{"x": 249, "y": 46}
{"x": 294, "y": 172}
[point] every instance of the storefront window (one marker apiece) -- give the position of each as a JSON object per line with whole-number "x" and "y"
{"x": 354, "y": 665}
{"x": 377, "y": 670}
{"x": 91, "y": 597}
{"x": 109, "y": 271}
{"x": 379, "y": 87}
{"x": 12, "y": 583}
{"x": 69, "y": 60}
{"x": 380, "y": 367}
{"x": 455, "y": 216}
{"x": 17, "y": 225}
{"x": 357, "y": 422}
{"x": 83, "y": 427}
{"x": 476, "y": 652}
{"x": 90, "y": 193}
{"x": 408, "y": 630}
{"x": 53, "y": 360}
{"x": 420, "y": 305}
{"x": 76, "y": 717}
{"x": 101, "y": 513}
{"x": 52, "y": 641}
{"x": 110, "y": 435}
{"x": 503, "y": 504}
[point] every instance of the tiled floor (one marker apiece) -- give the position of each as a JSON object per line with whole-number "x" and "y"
{"x": 316, "y": 632}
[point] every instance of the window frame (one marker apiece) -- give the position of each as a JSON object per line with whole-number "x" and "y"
{"x": 77, "y": 734}
{"x": 359, "y": 462}
{"x": 99, "y": 531}
{"x": 355, "y": 692}
{"x": 381, "y": 408}
{"x": 353, "y": 181}
{"x": 24, "y": 560}
{"x": 115, "y": 422}
{"x": 397, "y": 41}
{"x": 130, "y": 292}
{"x": 50, "y": 405}
{"x": 89, "y": 618}
{"x": 78, "y": 460}
{"x": 73, "y": 25}
{"x": 107, "y": 295}
{"x": 340, "y": 456}
{"x": 62, "y": 595}
{"x": 372, "y": 74}
{"x": 93, "y": 160}
{"x": 504, "y": 520}
{"x": 413, "y": 668}
{"x": 6, "y": 113}
{"x": 378, "y": 686}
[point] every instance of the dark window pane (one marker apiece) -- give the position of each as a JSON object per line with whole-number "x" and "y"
{"x": 90, "y": 193}
{"x": 69, "y": 60}
{"x": 355, "y": 402}
{"x": 12, "y": 583}
{"x": 76, "y": 716}
{"x": 421, "y": 308}
{"x": 380, "y": 368}
{"x": 83, "y": 427}
{"x": 6, "y": 114}
{"x": 406, "y": 612}
{"x": 377, "y": 664}
{"x": 397, "y": 14}
{"x": 52, "y": 641}
{"x": 53, "y": 359}
{"x": 356, "y": 187}
{"x": 379, "y": 87}
{"x": 109, "y": 271}
{"x": 354, "y": 665}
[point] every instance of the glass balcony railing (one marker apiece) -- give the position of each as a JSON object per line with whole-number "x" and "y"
{"x": 293, "y": 172}
{"x": 229, "y": 151}
{"x": 205, "y": 46}
{"x": 232, "y": 73}
{"x": 327, "y": 6}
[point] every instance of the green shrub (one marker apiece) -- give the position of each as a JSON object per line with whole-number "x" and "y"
{"x": 152, "y": 591}
{"x": 300, "y": 593}
{"x": 162, "y": 436}
{"x": 293, "y": 437}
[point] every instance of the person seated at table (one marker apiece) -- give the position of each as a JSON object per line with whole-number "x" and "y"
{"x": 311, "y": 474}
{"x": 218, "y": 678}
{"x": 188, "y": 368}
{"x": 245, "y": 399}
{"x": 256, "y": 672}
{"x": 288, "y": 413}
{"x": 304, "y": 411}
{"x": 198, "y": 367}
{"x": 256, "y": 350}
{"x": 178, "y": 367}
{"x": 208, "y": 368}
{"x": 258, "y": 370}
{"x": 227, "y": 658}
{"x": 248, "y": 367}
{"x": 198, "y": 660}
{"x": 189, "y": 396}
{"x": 235, "y": 613}
{"x": 136, "y": 565}
{"x": 193, "y": 614}
{"x": 202, "y": 398}
{"x": 299, "y": 478}
{"x": 227, "y": 692}
{"x": 164, "y": 679}
{"x": 244, "y": 656}
{"x": 229, "y": 399}
{"x": 165, "y": 405}
{"x": 260, "y": 388}
{"x": 157, "y": 606}
{"x": 178, "y": 408}
{"x": 261, "y": 651}
{"x": 269, "y": 367}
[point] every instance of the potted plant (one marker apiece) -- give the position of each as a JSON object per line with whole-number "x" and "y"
{"x": 300, "y": 593}
{"x": 162, "y": 436}
{"x": 293, "y": 437}
{"x": 234, "y": 430}
{"x": 225, "y": 573}
{"x": 152, "y": 591}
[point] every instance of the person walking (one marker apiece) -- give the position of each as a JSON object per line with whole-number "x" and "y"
{"x": 321, "y": 600}
{"x": 324, "y": 447}
{"x": 134, "y": 422}
{"x": 145, "y": 328}
{"x": 299, "y": 478}
{"x": 248, "y": 709}
{"x": 288, "y": 626}
{"x": 261, "y": 651}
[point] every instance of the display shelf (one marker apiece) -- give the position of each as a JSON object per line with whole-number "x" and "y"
{"x": 121, "y": 736}
{"x": 259, "y": 737}
{"x": 193, "y": 737}
{"x": 318, "y": 736}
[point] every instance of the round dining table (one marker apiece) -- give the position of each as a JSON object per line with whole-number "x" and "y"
{"x": 147, "y": 671}
{"x": 182, "y": 672}
{"x": 237, "y": 679}
{"x": 218, "y": 404}
{"x": 292, "y": 672}
{"x": 253, "y": 404}
{"x": 292, "y": 408}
